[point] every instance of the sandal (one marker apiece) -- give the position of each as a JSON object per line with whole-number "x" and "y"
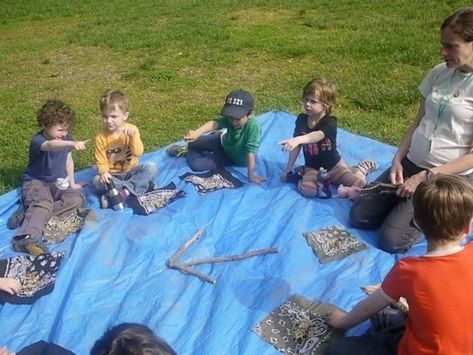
{"x": 365, "y": 166}
{"x": 176, "y": 150}
{"x": 16, "y": 219}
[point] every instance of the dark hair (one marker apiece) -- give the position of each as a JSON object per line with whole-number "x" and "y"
{"x": 131, "y": 339}
{"x": 443, "y": 206}
{"x": 461, "y": 23}
{"x": 55, "y": 111}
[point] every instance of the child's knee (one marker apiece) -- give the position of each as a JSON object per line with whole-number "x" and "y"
{"x": 97, "y": 184}
{"x": 151, "y": 168}
{"x": 73, "y": 199}
{"x": 307, "y": 188}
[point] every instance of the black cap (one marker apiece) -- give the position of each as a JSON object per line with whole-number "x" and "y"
{"x": 237, "y": 104}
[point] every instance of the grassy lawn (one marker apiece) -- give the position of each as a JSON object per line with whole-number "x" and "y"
{"x": 177, "y": 59}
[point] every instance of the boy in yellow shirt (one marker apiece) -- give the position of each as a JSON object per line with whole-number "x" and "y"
{"x": 117, "y": 150}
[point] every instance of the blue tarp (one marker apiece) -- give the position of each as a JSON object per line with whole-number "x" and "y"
{"x": 114, "y": 270}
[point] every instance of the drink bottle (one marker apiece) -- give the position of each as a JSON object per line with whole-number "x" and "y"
{"x": 323, "y": 184}
{"x": 115, "y": 199}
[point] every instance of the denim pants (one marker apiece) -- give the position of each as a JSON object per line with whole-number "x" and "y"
{"x": 41, "y": 201}
{"x": 388, "y": 329}
{"x": 137, "y": 181}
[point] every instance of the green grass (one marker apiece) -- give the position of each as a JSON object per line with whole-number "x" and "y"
{"x": 177, "y": 59}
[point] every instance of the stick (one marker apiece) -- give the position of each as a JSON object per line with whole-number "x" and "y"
{"x": 172, "y": 260}
{"x": 222, "y": 259}
{"x": 188, "y": 270}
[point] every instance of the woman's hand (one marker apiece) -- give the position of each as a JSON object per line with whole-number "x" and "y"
{"x": 409, "y": 186}
{"x": 395, "y": 174}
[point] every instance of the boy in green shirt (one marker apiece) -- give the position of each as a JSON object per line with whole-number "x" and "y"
{"x": 237, "y": 145}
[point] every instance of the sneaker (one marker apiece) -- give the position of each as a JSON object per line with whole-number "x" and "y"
{"x": 365, "y": 166}
{"x": 124, "y": 193}
{"x": 16, "y": 219}
{"x": 28, "y": 244}
{"x": 103, "y": 201}
{"x": 176, "y": 150}
{"x": 152, "y": 186}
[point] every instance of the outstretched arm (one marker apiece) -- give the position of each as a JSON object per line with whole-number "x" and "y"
{"x": 292, "y": 143}
{"x": 59, "y": 144}
{"x": 361, "y": 312}
{"x": 209, "y": 126}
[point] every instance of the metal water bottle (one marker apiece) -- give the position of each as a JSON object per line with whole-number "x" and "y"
{"x": 323, "y": 184}
{"x": 115, "y": 199}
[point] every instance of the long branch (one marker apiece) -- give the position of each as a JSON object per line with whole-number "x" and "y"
{"x": 230, "y": 257}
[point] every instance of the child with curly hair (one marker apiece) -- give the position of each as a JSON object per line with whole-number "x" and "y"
{"x": 49, "y": 186}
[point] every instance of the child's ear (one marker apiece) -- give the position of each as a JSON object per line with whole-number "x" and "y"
{"x": 467, "y": 228}
{"x": 126, "y": 115}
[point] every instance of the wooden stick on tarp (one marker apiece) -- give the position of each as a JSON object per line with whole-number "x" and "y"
{"x": 186, "y": 267}
{"x": 222, "y": 259}
{"x": 172, "y": 260}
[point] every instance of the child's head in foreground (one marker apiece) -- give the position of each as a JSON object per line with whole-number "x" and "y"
{"x": 131, "y": 339}
{"x": 238, "y": 107}
{"x": 322, "y": 90}
{"x": 56, "y": 118}
{"x": 443, "y": 207}
{"x": 114, "y": 108}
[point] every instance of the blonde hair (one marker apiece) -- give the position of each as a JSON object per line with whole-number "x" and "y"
{"x": 443, "y": 206}
{"x": 324, "y": 90}
{"x": 114, "y": 98}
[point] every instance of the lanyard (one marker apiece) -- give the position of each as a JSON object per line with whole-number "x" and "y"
{"x": 447, "y": 97}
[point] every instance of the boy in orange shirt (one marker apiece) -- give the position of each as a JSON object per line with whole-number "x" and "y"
{"x": 117, "y": 150}
{"x": 436, "y": 285}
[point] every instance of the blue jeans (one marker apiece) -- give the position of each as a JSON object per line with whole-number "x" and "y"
{"x": 388, "y": 329}
{"x": 137, "y": 181}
